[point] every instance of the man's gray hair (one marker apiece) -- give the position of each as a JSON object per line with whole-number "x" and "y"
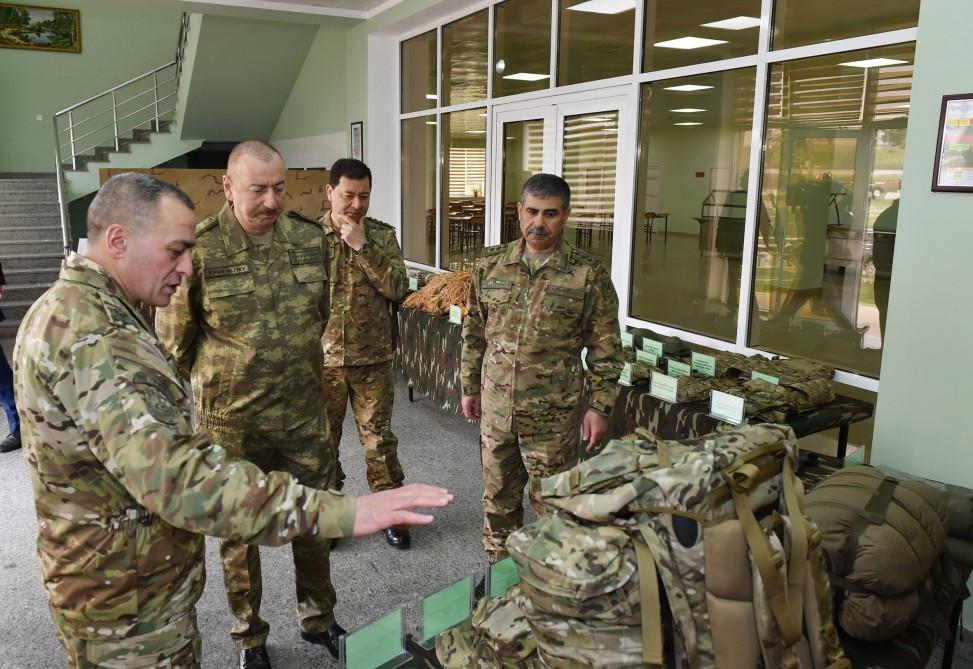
{"x": 257, "y": 148}
{"x": 547, "y": 185}
{"x": 129, "y": 199}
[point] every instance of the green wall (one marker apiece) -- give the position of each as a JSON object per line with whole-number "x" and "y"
{"x": 922, "y": 423}
{"x": 117, "y": 44}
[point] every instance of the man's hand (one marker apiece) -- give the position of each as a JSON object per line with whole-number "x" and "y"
{"x": 593, "y": 428}
{"x": 395, "y": 507}
{"x": 352, "y": 231}
{"x": 471, "y": 407}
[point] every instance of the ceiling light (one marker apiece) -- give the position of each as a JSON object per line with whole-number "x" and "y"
{"x": 604, "y": 6}
{"x": 687, "y": 88}
{"x": 688, "y": 123}
{"x": 874, "y": 62}
{"x": 476, "y": 132}
{"x": 687, "y": 110}
{"x": 483, "y": 114}
{"x": 689, "y": 43}
{"x": 430, "y": 123}
{"x": 527, "y": 76}
{"x": 430, "y": 96}
{"x": 736, "y": 23}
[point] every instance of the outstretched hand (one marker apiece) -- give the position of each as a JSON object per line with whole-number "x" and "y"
{"x": 384, "y": 509}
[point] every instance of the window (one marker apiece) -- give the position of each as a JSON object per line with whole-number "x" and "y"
{"x": 523, "y": 156}
{"x": 690, "y": 213}
{"x": 597, "y": 40}
{"x": 679, "y": 33}
{"x": 464, "y": 188}
{"x": 832, "y": 171}
{"x": 522, "y": 47}
{"x": 465, "y": 60}
{"x": 419, "y": 73}
{"x": 799, "y": 22}
{"x": 419, "y": 189}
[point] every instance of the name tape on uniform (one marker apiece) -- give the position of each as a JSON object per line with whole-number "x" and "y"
{"x": 726, "y": 407}
{"x": 704, "y": 365}
{"x": 664, "y": 387}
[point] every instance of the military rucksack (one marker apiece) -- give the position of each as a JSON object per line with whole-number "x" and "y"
{"x": 690, "y": 553}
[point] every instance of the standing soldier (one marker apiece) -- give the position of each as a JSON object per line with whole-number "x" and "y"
{"x": 534, "y": 304}
{"x": 246, "y": 328}
{"x": 367, "y": 278}
{"x": 123, "y": 488}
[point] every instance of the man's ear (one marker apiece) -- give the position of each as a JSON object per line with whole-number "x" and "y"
{"x": 116, "y": 240}
{"x": 228, "y": 188}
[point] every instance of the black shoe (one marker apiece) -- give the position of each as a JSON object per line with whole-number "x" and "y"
{"x": 479, "y": 590}
{"x": 398, "y": 538}
{"x": 327, "y": 639}
{"x": 255, "y": 658}
{"x": 11, "y": 443}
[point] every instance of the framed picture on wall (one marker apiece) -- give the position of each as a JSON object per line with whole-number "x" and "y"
{"x": 40, "y": 28}
{"x": 358, "y": 140}
{"x": 953, "y": 170}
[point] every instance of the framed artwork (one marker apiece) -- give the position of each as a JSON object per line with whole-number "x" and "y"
{"x": 358, "y": 140}
{"x": 953, "y": 170}
{"x": 40, "y": 28}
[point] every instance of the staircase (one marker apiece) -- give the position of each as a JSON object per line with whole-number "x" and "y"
{"x": 31, "y": 246}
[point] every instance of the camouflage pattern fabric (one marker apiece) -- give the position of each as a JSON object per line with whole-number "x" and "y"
{"x": 511, "y": 461}
{"x": 123, "y": 486}
{"x": 246, "y": 329}
{"x": 428, "y": 355}
{"x": 179, "y": 643}
{"x": 497, "y": 636}
{"x": 370, "y": 389}
{"x": 523, "y": 336}
{"x": 297, "y": 452}
{"x": 363, "y": 284}
{"x": 248, "y": 332}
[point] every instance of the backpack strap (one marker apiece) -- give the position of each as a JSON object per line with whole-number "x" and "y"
{"x": 652, "y": 650}
{"x": 873, "y": 514}
{"x": 828, "y": 634}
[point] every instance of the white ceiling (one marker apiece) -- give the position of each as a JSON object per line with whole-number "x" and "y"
{"x": 356, "y": 9}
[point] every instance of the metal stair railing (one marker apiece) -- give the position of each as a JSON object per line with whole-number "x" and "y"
{"x": 106, "y": 121}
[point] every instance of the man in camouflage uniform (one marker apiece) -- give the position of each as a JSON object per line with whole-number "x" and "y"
{"x": 123, "y": 488}
{"x": 534, "y": 304}
{"x": 367, "y": 274}
{"x": 246, "y": 329}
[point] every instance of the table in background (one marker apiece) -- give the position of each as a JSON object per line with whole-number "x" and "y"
{"x": 428, "y": 355}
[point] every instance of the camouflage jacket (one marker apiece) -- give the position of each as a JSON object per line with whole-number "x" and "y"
{"x": 248, "y": 332}
{"x": 123, "y": 488}
{"x": 359, "y": 331}
{"x": 523, "y": 336}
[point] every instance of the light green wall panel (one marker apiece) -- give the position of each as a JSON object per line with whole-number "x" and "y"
{"x": 117, "y": 44}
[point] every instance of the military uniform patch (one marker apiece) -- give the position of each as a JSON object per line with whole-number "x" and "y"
{"x": 157, "y": 401}
{"x": 308, "y": 256}
{"x": 118, "y": 315}
{"x": 226, "y": 270}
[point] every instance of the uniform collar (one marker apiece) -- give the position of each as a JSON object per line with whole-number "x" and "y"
{"x": 81, "y": 269}
{"x": 559, "y": 260}
{"x": 235, "y": 237}
{"x": 326, "y": 220}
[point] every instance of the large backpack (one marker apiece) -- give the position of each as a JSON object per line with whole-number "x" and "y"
{"x": 689, "y": 554}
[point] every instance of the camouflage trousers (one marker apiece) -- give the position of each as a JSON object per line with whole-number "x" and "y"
{"x": 369, "y": 387}
{"x": 511, "y": 461}
{"x": 307, "y": 453}
{"x": 175, "y": 646}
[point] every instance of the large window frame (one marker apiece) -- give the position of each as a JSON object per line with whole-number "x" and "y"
{"x": 622, "y": 258}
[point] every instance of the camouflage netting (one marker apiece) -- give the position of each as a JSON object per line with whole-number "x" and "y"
{"x": 441, "y": 292}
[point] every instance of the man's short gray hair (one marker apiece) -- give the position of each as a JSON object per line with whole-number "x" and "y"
{"x": 129, "y": 199}
{"x": 257, "y": 148}
{"x": 547, "y": 185}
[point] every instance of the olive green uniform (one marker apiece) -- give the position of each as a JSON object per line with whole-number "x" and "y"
{"x": 522, "y": 341}
{"x": 358, "y": 345}
{"x": 123, "y": 487}
{"x": 246, "y": 328}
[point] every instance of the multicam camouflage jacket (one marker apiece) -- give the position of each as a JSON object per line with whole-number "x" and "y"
{"x": 248, "y": 332}
{"x": 523, "y": 336}
{"x": 359, "y": 331}
{"x": 123, "y": 488}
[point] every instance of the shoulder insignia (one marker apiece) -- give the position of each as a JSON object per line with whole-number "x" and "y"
{"x": 494, "y": 250}
{"x": 580, "y": 257}
{"x": 206, "y": 224}
{"x": 298, "y": 216}
{"x": 117, "y": 314}
{"x": 158, "y": 402}
{"x": 377, "y": 223}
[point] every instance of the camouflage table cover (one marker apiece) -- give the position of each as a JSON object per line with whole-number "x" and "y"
{"x": 428, "y": 355}
{"x": 635, "y": 407}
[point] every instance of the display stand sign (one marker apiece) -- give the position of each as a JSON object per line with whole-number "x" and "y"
{"x": 703, "y": 365}
{"x": 765, "y": 377}
{"x": 413, "y": 283}
{"x": 626, "y": 376}
{"x": 726, "y": 407}
{"x": 678, "y": 369}
{"x": 653, "y": 346}
{"x": 455, "y": 314}
{"x": 445, "y": 609}
{"x": 379, "y": 645}
{"x": 664, "y": 387}
{"x": 647, "y": 357}
{"x": 627, "y": 340}
{"x": 501, "y": 576}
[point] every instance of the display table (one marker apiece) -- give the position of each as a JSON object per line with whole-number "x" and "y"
{"x": 430, "y": 348}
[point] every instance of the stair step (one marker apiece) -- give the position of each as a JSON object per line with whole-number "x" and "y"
{"x": 15, "y": 309}
{"x": 22, "y": 293}
{"x": 35, "y": 185}
{"x": 30, "y": 220}
{"x": 28, "y": 208}
{"x": 31, "y": 261}
{"x": 29, "y": 233}
{"x": 28, "y": 196}
{"x": 103, "y": 154}
{"x": 35, "y": 276}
